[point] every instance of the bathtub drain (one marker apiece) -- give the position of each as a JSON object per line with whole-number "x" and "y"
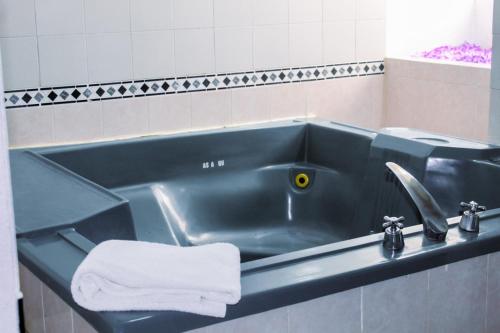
{"x": 301, "y": 180}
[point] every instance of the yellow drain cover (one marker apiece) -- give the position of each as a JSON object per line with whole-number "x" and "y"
{"x": 301, "y": 180}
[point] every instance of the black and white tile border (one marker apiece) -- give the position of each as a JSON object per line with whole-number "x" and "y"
{"x": 103, "y": 91}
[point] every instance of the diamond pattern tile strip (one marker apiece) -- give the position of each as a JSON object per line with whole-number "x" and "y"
{"x": 52, "y": 96}
{"x": 173, "y": 85}
{"x": 38, "y": 97}
{"x": 13, "y": 99}
{"x": 26, "y": 98}
{"x": 76, "y": 93}
{"x": 64, "y": 94}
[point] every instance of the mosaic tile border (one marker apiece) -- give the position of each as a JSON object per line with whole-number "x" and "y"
{"x": 141, "y": 88}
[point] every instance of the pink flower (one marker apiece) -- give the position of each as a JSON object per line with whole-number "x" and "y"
{"x": 466, "y": 52}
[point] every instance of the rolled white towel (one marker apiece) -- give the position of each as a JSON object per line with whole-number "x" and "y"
{"x": 131, "y": 275}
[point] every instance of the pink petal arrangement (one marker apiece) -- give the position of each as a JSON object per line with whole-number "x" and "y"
{"x": 466, "y": 52}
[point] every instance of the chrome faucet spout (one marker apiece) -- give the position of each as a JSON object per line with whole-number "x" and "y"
{"x": 432, "y": 216}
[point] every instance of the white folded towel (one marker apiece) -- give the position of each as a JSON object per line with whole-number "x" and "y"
{"x": 131, "y": 275}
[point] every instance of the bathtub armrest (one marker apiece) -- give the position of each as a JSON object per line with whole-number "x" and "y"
{"x": 75, "y": 238}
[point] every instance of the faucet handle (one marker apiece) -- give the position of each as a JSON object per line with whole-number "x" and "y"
{"x": 470, "y": 219}
{"x": 472, "y": 207}
{"x": 393, "y": 235}
{"x": 393, "y": 222}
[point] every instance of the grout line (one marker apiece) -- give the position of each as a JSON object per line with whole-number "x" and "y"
{"x": 132, "y": 67}
{"x": 487, "y": 288}
{"x": 361, "y": 310}
{"x": 289, "y": 40}
{"x": 214, "y": 61}
{"x": 72, "y": 313}
{"x": 356, "y": 3}
{"x": 174, "y": 36}
{"x": 427, "y": 300}
{"x": 288, "y": 319}
{"x": 43, "y": 306}
{"x": 37, "y": 47}
{"x": 85, "y": 39}
{"x": 53, "y": 124}
{"x": 428, "y": 280}
{"x": 323, "y": 31}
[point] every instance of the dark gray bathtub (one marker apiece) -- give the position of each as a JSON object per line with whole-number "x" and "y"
{"x": 241, "y": 186}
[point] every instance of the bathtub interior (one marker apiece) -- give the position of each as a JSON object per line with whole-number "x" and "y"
{"x": 239, "y": 186}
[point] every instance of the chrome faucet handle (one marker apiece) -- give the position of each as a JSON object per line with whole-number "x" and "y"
{"x": 470, "y": 219}
{"x": 394, "y": 222}
{"x": 393, "y": 234}
{"x": 472, "y": 207}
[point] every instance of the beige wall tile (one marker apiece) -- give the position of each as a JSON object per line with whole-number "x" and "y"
{"x": 482, "y": 119}
{"x": 287, "y": 101}
{"x": 77, "y": 122}
{"x": 441, "y": 98}
{"x": 169, "y": 113}
{"x": 80, "y": 325}
{"x": 57, "y": 314}
{"x": 348, "y": 100}
{"x": 377, "y": 96}
{"x": 399, "y": 96}
{"x": 322, "y": 101}
{"x": 210, "y": 109}
{"x": 356, "y": 101}
{"x": 30, "y": 126}
{"x": 125, "y": 117}
{"x": 250, "y": 105}
{"x": 459, "y": 111}
{"x": 31, "y": 287}
{"x": 272, "y": 321}
{"x": 396, "y": 67}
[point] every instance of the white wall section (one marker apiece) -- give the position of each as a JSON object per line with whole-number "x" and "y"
{"x": 414, "y": 26}
{"x": 9, "y": 280}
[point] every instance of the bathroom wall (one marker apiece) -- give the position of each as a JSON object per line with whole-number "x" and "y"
{"x": 9, "y": 281}
{"x": 437, "y": 96}
{"x": 445, "y": 98}
{"x": 494, "y": 124}
{"x": 436, "y": 300}
{"x": 414, "y": 26}
{"x": 114, "y": 53}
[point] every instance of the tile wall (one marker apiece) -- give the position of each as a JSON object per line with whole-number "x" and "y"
{"x": 50, "y": 43}
{"x": 57, "y": 51}
{"x": 354, "y": 100}
{"x": 494, "y": 126}
{"x": 450, "y": 99}
{"x": 436, "y": 300}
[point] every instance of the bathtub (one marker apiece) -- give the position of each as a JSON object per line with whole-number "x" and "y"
{"x": 303, "y": 200}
